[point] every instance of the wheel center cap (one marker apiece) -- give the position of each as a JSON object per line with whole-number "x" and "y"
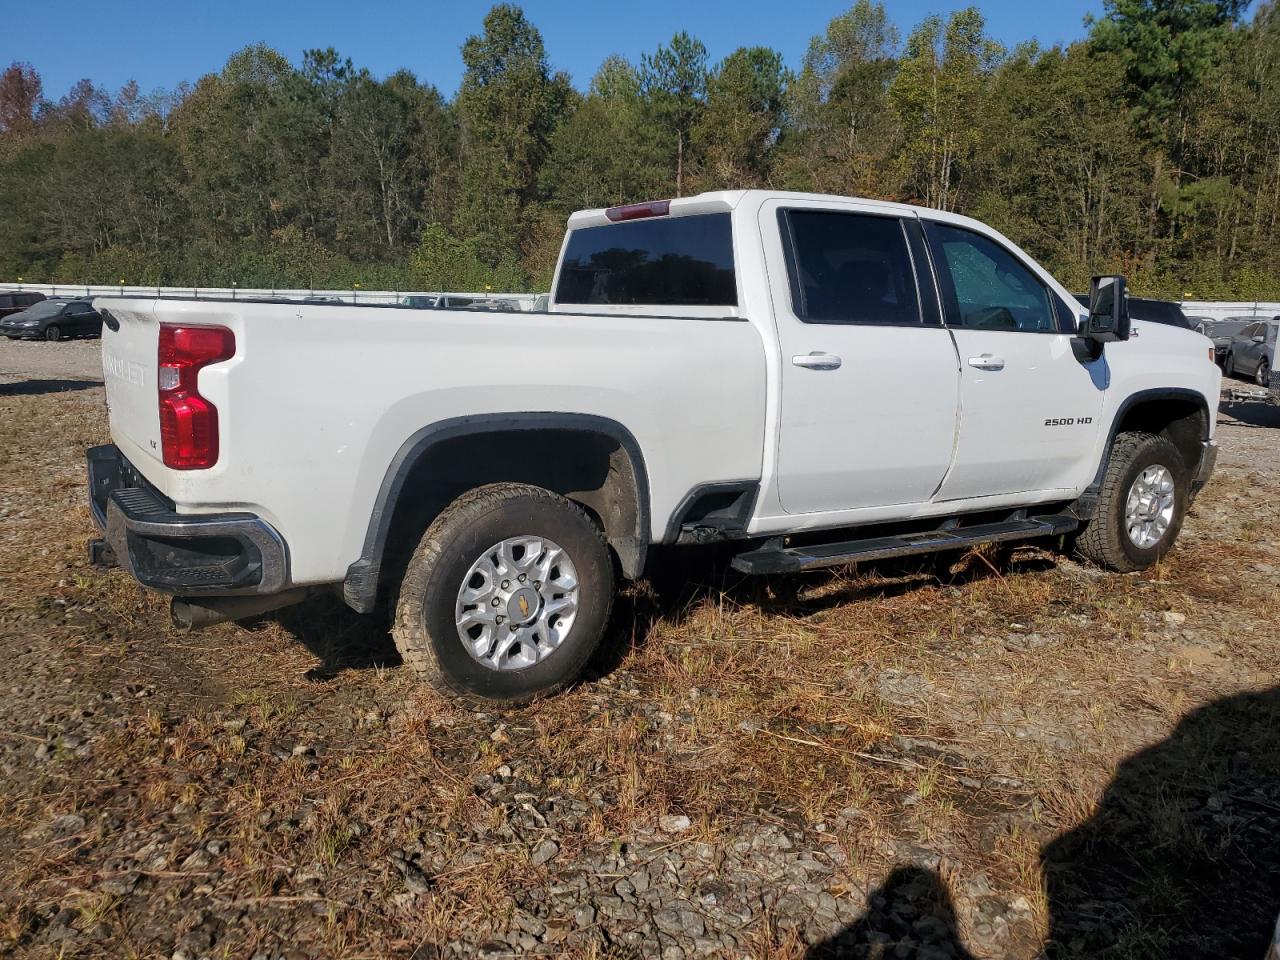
{"x": 523, "y": 605}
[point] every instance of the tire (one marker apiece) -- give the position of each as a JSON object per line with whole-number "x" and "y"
{"x": 1263, "y": 377}
{"x": 1229, "y": 366}
{"x": 1106, "y": 539}
{"x": 53, "y": 333}
{"x": 455, "y": 552}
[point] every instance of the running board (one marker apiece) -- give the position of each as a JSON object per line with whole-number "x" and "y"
{"x": 774, "y": 558}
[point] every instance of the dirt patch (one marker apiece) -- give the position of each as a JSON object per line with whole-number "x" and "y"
{"x": 905, "y": 761}
{"x": 39, "y": 360}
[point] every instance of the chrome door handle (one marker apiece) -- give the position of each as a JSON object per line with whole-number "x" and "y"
{"x": 987, "y": 362}
{"x": 817, "y": 361}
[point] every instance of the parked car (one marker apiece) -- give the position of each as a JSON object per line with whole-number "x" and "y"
{"x": 1221, "y": 332}
{"x": 1152, "y": 311}
{"x": 418, "y": 301}
{"x": 53, "y": 319}
{"x": 1252, "y": 352}
{"x": 718, "y": 367}
{"x": 11, "y": 303}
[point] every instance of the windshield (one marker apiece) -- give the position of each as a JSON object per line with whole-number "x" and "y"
{"x": 45, "y": 308}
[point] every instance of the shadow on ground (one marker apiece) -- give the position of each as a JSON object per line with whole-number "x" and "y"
{"x": 1253, "y": 414}
{"x": 33, "y": 388}
{"x": 679, "y": 583}
{"x": 1181, "y": 858}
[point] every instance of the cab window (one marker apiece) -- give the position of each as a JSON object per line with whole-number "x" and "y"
{"x": 849, "y": 268}
{"x": 985, "y": 287}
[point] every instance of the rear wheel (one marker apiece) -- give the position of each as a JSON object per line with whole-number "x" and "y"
{"x": 53, "y": 333}
{"x": 506, "y": 596}
{"x": 1141, "y": 505}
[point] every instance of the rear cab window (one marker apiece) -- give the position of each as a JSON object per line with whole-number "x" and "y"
{"x": 849, "y": 268}
{"x": 663, "y": 263}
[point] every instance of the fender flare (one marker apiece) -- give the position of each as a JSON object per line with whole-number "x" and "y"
{"x": 1084, "y": 506}
{"x": 360, "y": 588}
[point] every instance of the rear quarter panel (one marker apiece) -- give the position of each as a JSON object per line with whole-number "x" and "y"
{"x": 319, "y": 399}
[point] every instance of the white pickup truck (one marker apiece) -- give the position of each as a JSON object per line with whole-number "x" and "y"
{"x": 817, "y": 380}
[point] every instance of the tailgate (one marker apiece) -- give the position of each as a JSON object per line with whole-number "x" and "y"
{"x": 130, "y": 338}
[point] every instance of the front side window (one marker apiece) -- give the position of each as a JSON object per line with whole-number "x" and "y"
{"x": 849, "y": 268}
{"x": 666, "y": 261}
{"x": 985, "y": 287}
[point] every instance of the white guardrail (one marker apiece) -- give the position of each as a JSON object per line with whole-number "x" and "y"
{"x": 1222, "y": 309}
{"x": 525, "y": 301}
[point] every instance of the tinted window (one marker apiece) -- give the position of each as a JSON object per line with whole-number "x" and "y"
{"x": 667, "y": 261}
{"x": 29, "y": 298}
{"x": 6, "y": 300}
{"x": 849, "y": 268}
{"x": 984, "y": 286}
{"x": 1158, "y": 311}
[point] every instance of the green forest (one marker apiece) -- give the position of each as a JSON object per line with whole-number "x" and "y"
{"x": 1151, "y": 147}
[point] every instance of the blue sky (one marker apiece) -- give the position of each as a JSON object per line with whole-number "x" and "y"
{"x": 162, "y": 43}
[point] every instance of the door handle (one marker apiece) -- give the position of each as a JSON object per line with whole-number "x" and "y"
{"x": 817, "y": 361}
{"x": 987, "y": 362}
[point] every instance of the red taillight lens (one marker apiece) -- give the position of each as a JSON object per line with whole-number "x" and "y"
{"x": 189, "y": 422}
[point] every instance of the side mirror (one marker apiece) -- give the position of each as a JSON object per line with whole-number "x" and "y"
{"x": 1108, "y": 311}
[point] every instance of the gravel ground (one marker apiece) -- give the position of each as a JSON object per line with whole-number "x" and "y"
{"x": 1010, "y": 755}
{"x": 41, "y": 360}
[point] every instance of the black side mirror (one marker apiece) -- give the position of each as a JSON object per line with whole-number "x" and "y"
{"x": 1108, "y": 311}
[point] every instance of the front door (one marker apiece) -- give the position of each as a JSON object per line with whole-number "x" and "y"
{"x": 1030, "y": 410}
{"x": 869, "y": 375}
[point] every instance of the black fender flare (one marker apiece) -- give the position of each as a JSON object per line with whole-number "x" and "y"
{"x": 1084, "y": 506}
{"x": 360, "y": 588}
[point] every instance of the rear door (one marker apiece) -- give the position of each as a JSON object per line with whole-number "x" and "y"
{"x": 869, "y": 375}
{"x": 1029, "y": 408}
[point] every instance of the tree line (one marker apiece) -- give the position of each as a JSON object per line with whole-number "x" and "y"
{"x": 1151, "y": 147}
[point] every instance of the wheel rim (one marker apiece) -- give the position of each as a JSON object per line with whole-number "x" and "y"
{"x": 517, "y": 603}
{"x": 1262, "y": 374}
{"x": 1148, "y": 510}
{"x": 53, "y": 333}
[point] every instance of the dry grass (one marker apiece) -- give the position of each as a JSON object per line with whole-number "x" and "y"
{"x": 978, "y": 712}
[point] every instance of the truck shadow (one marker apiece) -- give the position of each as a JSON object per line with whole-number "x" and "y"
{"x": 679, "y": 581}
{"x": 338, "y": 636}
{"x": 1179, "y": 858}
{"x": 34, "y": 388}
{"x": 1253, "y": 414}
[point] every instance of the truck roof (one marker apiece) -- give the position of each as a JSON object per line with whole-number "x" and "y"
{"x": 720, "y": 201}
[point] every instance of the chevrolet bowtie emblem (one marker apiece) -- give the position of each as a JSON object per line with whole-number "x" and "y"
{"x": 524, "y": 607}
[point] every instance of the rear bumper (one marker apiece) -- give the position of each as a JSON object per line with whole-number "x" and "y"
{"x": 221, "y": 554}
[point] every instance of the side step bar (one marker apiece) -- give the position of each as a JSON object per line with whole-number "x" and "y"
{"x": 775, "y": 558}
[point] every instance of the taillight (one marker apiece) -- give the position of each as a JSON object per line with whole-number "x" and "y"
{"x": 637, "y": 211}
{"x": 189, "y": 422}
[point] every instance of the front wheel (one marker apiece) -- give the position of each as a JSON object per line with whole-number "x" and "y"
{"x": 1141, "y": 505}
{"x": 53, "y": 333}
{"x": 1229, "y": 366}
{"x": 506, "y": 596}
{"x": 1263, "y": 377}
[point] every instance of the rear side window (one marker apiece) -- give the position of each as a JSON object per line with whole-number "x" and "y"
{"x": 849, "y": 268}
{"x": 663, "y": 262}
{"x": 6, "y": 300}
